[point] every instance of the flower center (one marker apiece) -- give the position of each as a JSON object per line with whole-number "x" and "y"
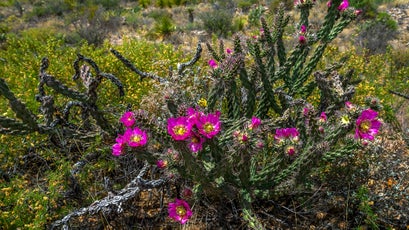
{"x": 179, "y": 130}
{"x": 181, "y": 211}
{"x": 136, "y": 138}
{"x": 208, "y": 127}
{"x": 365, "y": 126}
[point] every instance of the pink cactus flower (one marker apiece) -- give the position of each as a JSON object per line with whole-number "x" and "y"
{"x": 118, "y": 147}
{"x": 323, "y": 117}
{"x": 196, "y": 143}
{"x": 212, "y": 64}
{"x": 136, "y": 137}
{"x": 255, "y": 122}
{"x": 303, "y": 29}
{"x": 161, "y": 163}
{"x": 344, "y": 5}
{"x": 209, "y": 125}
{"x": 367, "y": 125}
{"x": 302, "y": 39}
{"x": 290, "y": 150}
{"x": 291, "y": 134}
{"x": 179, "y": 128}
{"x": 128, "y": 119}
{"x": 179, "y": 211}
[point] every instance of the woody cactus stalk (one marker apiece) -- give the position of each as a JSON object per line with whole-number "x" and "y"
{"x": 56, "y": 120}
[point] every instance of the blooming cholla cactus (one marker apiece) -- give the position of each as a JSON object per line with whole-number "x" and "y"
{"x": 256, "y": 129}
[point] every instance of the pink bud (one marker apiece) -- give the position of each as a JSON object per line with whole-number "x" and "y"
{"x": 212, "y": 64}
{"x": 302, "y": 39}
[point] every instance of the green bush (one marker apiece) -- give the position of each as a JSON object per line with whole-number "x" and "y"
{"x": 163, "y": 27}
{"x": 218, "y": 22}
{"x": 374, "y": 34}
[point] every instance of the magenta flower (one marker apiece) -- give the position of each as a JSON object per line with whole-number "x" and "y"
{"x": 298, "y": 2}
{"x": 128, "y": 119}
{"x": 136, "y": 137}
{"x": 179, "y": 128}
{"x": 229, "y": 51}
{"x": 179, "y": 211}
{"x": 290, "y": 150}
{"x": 329, "y": 4}
{"x": 302, "y": 39}
{"x": 162, "y": 164}
{"x": 344, "y": 5}
{"x": 118, "y": 147}
{"x": 367, "y": 125}
{"x": 193, "y": 115}
{"x": 196, "y": 143}
{"x": 255, "y": 122}
{"x": 287, "y": 133}
{"x": 212, "y": 64}
{"x": 349, "y": 105}
{"x": 209, "y": 125}
{"x": 323, "y": 117}
{"x": 303, "y": 29}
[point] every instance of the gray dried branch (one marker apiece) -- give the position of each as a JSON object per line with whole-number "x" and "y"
{"x": 113, "y": 204}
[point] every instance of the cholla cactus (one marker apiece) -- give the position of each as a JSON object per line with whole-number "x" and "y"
{"x": 56, "y": 120}
{"x": 256, "y": 135}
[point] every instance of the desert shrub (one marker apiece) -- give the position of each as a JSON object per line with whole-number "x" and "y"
{"x": 179, "y": 2}
{"x": 163, "y": 27}
{"x": 374, "y": 35}
{"x": 94, "y": 24}
{"x": 107, "y": 4}
{"x": 218, "y": 22}
{"x": 144, "y": 3}
{"x": 49, "y": 8}
{"x": 246, "y": 5}
{"x": 163, "y": 3}
{"x": 400, "y": 57}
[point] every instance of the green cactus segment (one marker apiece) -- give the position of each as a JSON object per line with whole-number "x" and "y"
{"x": 233, "y": 102}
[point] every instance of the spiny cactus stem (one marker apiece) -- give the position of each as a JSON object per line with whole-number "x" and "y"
{"x": 182, "y": 66}
{"x": 132, "y": 67}
{"x": 309, "y": 67}
{"x": 76, "y": 65}
{"x": 53, "y": 83}
{"x": 116, "y": 82}
{"x": 213, "y": 52}
{"x": 399, "y": 94}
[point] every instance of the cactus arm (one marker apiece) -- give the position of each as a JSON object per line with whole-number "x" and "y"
{"x": 133, "y": 68}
